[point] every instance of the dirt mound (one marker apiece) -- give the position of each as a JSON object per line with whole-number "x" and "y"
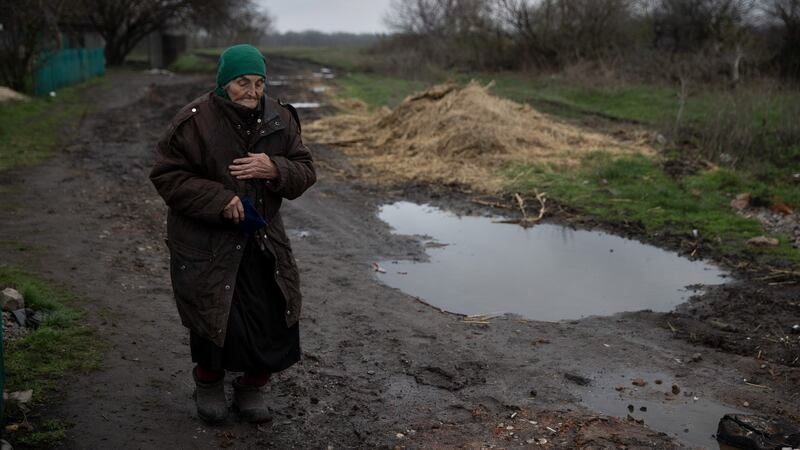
{"x": 7, "y": 94}
{"x": 459, "y": 134}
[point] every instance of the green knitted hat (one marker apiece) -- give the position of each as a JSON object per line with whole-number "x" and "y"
{"x": 236, "y": 61}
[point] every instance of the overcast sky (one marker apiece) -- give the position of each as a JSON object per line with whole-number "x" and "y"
{"x": 355, "y": 16}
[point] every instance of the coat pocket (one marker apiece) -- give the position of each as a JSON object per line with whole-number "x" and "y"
{"x": 189, "y": 267}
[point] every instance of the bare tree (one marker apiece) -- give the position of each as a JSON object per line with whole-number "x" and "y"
{"x": 26, "y": 28}
{"x": 247, "y": 24}
{"x": 533, "y": 26}
{"x": 449, "y": 31}
{"x": 556, "y": 31}
{"x": 787, "y": 13}
{"x": 691, "y": 25}
{"x": 124, "y": 23}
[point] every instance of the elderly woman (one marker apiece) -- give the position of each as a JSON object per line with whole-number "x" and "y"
{"x": 223, "y": 167}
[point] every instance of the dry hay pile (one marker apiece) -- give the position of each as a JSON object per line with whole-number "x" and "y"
{"x": 458, "y": 134}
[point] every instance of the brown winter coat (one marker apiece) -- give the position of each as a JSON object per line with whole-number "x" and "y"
{"x": 191, "y": 174}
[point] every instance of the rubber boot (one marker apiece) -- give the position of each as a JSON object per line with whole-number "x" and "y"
{"x": 251, "y": 402}
{"x": 210, "y": 400}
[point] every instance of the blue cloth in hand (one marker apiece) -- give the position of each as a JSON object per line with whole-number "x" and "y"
{"x": 252, "y": 219}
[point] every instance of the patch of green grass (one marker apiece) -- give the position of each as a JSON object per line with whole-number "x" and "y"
{"x": 377, "y": 90}
{"x": 635, "y": 189}
{"x": 60, "y": 345}
{"x": 49, "y": 434}
{"x": 15, "y": 245}
{"x": 194, "y": 62}
{"x": 647, "y": 104}
{"x": 30, "y": 130}
{"x": 345, "y": 58}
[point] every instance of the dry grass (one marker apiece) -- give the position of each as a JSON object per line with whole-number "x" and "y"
{"x": 460, "y": 134}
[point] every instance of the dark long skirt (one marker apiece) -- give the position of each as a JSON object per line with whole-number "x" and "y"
{"x": 257, "y": 338}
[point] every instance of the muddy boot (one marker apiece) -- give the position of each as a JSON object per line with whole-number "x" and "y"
{"x": 251, "y": 402}
{"x": 210, "y": 400}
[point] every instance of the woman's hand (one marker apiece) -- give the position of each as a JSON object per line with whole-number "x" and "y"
{"x": 234, "y": 210}
{"x": 256, "y": 165}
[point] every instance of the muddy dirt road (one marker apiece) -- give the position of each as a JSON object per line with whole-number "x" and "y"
{"x": 379, "y": 369}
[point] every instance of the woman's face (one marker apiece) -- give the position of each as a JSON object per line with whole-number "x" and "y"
{"x": 246, "y": 90}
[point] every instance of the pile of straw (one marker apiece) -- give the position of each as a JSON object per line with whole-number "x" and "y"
{"x": 458, "y": 134}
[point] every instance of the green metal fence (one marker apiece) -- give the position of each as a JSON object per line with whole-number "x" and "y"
{"x": 66, "y": 67}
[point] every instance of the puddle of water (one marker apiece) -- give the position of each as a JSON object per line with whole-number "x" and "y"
{"x": 306, "y": 105}
{"x": 297, "y": 233}
{"x": 693, "y": 422}
{"x": 547, "y": 272}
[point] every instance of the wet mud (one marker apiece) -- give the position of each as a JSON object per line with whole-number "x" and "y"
{"x": 380, "y": 368}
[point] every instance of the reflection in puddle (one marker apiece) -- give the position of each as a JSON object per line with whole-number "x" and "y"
{"x": 306, "y": 105}
{"x": 686, "y": 416}
{"x": 297, "y": 233}
{"x": 547, "y": 272}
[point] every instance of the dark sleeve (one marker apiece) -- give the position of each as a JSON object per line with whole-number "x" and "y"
{"x": 176, "y": 174}
{"x": 296, "y": 169}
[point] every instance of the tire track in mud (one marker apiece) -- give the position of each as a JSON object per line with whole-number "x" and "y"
{"x": 379, "y": 369}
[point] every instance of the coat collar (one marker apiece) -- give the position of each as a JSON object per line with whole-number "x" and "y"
{"x": 269, "y": 113}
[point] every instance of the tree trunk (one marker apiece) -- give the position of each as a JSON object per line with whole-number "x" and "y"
{"x": 737, "y": 60}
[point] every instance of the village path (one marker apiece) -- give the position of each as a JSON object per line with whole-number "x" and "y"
{"x": 379, "y": 369}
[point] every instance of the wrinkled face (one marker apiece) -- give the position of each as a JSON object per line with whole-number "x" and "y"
{"x": 246, "y": 90}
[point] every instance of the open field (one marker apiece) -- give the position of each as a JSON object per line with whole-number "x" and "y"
{"x": 648, "y": 194}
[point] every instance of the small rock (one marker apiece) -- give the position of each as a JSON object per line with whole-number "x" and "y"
{"x": 578, "y": 379}
{"x": 643, "y": 409}
{"x": 758, "y": 432}
{"x": 630, "y": 408}
{"x": 658, "y": 382}
{"x": 745, "y": 404}
{"x": 696, "y": 357}
{"x": 781, "y": 208}
{"x": 12, "y": 300}
{"x": 639, "y": 382}
{"x": 796, "y": 329}
{"x": 20, "y": 316}
{"x": 763, "y": 241}
{"x": 21, "y": 396}
{"x": 399, "y": 435}
{"x": 741, "y": 201}
{"x": 675, "y": 389}
{"x": 720, "y": 325}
